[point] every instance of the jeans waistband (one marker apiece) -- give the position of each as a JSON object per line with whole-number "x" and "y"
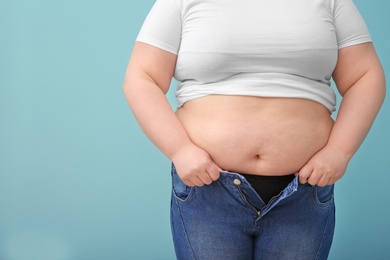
{"x": 233, "y": 179}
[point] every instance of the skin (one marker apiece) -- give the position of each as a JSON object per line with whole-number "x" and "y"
{"x": 359, "y": 78}
{"x": 361, "y": 82}
{"x": 257, "y": 135}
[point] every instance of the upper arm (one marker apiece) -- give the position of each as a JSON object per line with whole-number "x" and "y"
{"x": 353, "y": 63}
{"x": 151, "y": 63}
{"x": 155, "y": 51}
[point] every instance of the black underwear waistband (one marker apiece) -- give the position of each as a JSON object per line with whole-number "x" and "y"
{"x": 268, "y": 186}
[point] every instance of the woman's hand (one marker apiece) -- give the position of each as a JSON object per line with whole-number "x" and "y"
{"x": 195, "y": 166}
{"x": 324, "y": 168}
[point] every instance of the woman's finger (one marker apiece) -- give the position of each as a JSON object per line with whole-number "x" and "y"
{"x": 305, "y": 173}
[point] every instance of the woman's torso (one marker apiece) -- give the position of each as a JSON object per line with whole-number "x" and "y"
{"x": 269, "y": 111}
{"x": 257, "y": 135}
{"x": 255, "y": 77}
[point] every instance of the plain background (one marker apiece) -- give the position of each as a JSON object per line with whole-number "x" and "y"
{"x": 78, "y": 179}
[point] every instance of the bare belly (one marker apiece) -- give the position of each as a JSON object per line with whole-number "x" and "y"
{"x": 256, "y": 135}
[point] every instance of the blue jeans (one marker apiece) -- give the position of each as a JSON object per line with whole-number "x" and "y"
{"x": 227, "y": 220}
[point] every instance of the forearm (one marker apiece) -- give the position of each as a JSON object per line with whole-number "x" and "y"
{"x": 155, "y": 115}
{"x": 147, "y": 79}
{"x": 357, "y": 112}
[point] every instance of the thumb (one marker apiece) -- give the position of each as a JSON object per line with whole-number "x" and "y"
{"x": 305, "y": 173}
{"x": 214, "y": 172}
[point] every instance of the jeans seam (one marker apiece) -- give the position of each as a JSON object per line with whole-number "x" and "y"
{"x": 247, "y": 202}
{"x": 185, "y": 232}
{"x": 317, "y": 201}
{"x": 323, "y": 234}
{"x": 190, "y": 193}
{"x": 188, "y": 197}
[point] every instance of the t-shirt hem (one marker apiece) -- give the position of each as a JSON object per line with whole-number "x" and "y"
{"x": 157, "y": 43}
{"x": 362, "y": 39}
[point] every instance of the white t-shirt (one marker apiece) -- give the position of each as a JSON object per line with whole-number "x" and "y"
{"x": 267, "y": 48}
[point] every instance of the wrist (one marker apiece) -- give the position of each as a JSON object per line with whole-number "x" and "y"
{"x": 341, "y": 151}
{"x": 181, "y": 149}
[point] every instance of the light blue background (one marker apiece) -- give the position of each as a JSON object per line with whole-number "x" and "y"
{"x": 78, "y": 179}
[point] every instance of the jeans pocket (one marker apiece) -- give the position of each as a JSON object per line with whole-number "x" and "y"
{"x": 180, "y": 190}
{"x": 323, "y": 196}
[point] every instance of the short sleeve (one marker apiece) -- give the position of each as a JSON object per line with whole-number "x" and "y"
{"x": 350, "y": 26}
{"x": 162, "y": 26}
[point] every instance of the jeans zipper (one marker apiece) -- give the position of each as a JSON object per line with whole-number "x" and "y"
{"x": 258, "y": 213}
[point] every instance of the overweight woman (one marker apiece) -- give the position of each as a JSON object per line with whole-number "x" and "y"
{"x": 255, "y": 153}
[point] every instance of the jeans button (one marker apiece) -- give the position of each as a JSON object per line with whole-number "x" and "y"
{"x": 237, "y": 181}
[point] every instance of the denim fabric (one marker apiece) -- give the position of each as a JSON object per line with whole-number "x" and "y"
{"x": 228, "y": 220}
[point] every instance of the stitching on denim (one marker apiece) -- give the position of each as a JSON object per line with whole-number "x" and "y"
{"x": 190, "y": 194}
{"x": 271, "y": 203}
{"x": 323, "y": 234}
{"x": 246, "y": 201}
{"x": 187, "y": 199}
{"x": 176, "y": 200}
{"x": 317, "y": 201}
{"x": 185, "y": 233}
